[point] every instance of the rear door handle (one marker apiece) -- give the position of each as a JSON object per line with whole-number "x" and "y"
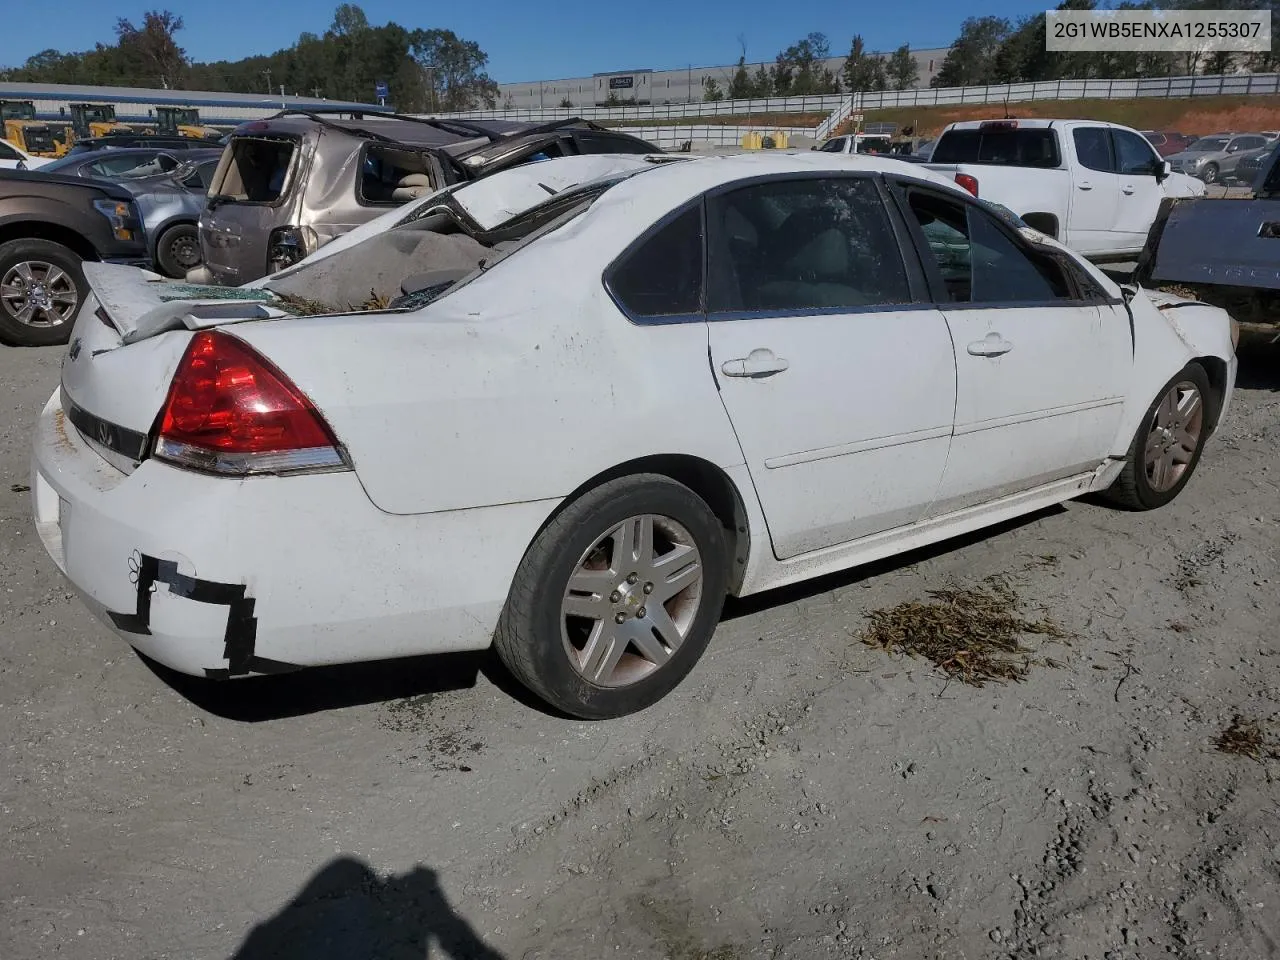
{"x": 1085, "y": 185}
{"x": 758, "y": 363}
{"x": 992, "y": 345}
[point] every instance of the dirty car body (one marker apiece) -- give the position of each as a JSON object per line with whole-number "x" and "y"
{"x": 237, "y": 489}
{"x": 290, "y": 184}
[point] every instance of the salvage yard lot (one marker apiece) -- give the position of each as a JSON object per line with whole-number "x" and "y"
{"x": 802, "y": 795}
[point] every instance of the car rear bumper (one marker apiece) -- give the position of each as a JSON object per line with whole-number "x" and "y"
{"x": 226, "y": 577}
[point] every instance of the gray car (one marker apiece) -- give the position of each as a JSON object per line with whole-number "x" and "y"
{"x": 1213, "y": 158}
{"x": 171, "y": 204}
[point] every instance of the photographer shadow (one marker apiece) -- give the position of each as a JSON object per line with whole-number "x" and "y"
{"x": 347, "y": 912}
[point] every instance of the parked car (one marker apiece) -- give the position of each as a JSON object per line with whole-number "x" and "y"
{"x": 1224, "y": 253}
{"x": 857, "y": 143}
{"x": 1167, "y": 142}
{"x": 1249, "y": 167}
{"x": 119, "y": 162}
{"x": 124, "y": 141}
{"x": 1214, "y": 158}
{"x": 171, "y": 204}
{"x": 353, "y": 472}
{"x": 1095, "y": 186}
{"x": 49, "y": 225}
{"x": 289, "y": 184}
{"x": 13, "y": 157}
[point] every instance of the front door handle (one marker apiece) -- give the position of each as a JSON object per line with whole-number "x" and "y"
{"x": 1085, "y": 185}
{"x": 992, "y": 345}
{"x": 758, "y": 363}
{"x": 1127, "y": 188}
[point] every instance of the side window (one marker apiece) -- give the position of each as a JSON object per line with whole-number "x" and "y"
{"x": 803, "y": 245}
{"x": 1251, "y": 143}
{"x": 1093, "y": 147}
{"x": 833, "y": 146}
{"x": 978, "y": 261}
{"x": 1133, "y": 154}
{"x": 393, "y": 176}
{"x": 8, "y": 153}
{"x": 663, "y": 276}
{"x": 589, "y": 143}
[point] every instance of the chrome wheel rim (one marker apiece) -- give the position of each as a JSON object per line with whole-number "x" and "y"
{"x": 39, "y": 294}
{"x": 631, "y": 601}
{"x": 1175, "y": 435}
{"x": 185, "y": 252}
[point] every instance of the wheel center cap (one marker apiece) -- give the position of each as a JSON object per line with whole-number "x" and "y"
{"x": 631, "y": 599}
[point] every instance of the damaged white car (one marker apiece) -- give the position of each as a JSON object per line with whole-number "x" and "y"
{"x": 573, "y": 432}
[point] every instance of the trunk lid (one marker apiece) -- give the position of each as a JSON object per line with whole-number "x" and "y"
{"x": 113, "y": 395}
{"x": 1245, "y": 237}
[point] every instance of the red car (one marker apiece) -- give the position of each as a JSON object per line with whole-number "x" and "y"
{"x": 1166, "y": 142}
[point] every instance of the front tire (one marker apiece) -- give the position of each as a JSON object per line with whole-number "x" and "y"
{"x": 178, "y": 250}
{"x": 1210, "y": 173}
{"x": 1168, "y": 444}
{"x": 617, "y": 598}
{"x": 41, "y": 290}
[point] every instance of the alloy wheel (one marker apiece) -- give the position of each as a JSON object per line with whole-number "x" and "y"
{"x": 39, "y": 294}
{"x": 1175, "y": 434}
{"x": 631, "y": 600}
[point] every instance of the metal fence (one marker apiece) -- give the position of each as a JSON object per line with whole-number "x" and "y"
{"x": 715, "y": 134}
{"x": 839, "y": 107}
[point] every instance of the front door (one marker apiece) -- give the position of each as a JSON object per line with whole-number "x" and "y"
{"x": 1095, "y": 193}
{"x": 1041, "y": 361}
{"x": 1137, "y": 165}
{"x": 836, "y": 373}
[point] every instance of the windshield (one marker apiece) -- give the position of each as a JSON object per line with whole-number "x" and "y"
{"x": 1208, "y": 144}
{"x": 1016, "y": 148}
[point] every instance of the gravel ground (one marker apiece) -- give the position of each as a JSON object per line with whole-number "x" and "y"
{"x": 800, "y": 796}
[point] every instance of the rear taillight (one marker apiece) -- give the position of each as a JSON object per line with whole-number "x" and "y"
{"x": 230, "y": 411}
{"x": 968, "y": 182}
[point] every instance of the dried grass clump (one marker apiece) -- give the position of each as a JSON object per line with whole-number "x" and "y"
{"x": 1246, "y": 738}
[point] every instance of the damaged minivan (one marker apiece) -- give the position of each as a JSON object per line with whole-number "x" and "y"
{"x": 289, "y": 184}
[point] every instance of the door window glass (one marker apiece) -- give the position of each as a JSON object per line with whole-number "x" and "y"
{"x": 1093, "y": 148}
{"x": 803, "y": 244}
{"x": 8, "y": 153}
{"x": 663, "y": 276}
{"x": 1133, "y": 154}
{"x": 979, "y": 262}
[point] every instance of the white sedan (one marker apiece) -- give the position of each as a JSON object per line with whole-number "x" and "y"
{"x": 13, "y": 157}
{"x": 571, "y": 434}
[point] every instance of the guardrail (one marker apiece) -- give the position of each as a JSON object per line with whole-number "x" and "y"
{"x": 716, "y": 134}
{"x": 839, "y": 107}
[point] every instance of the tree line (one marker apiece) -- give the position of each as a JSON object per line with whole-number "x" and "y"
{"x": 423, "y": 69}
{"x": 435, "y": 69}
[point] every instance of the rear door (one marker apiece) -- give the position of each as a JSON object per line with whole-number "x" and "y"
{"x": 1041, "y": 360}
{"x": 836, "y": 372}
{"x": 1137, "y": 165}
{"x": 1095, "y": 194}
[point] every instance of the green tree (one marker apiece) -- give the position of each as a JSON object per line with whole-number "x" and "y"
{"x": 455, "y": 70}
{"x": 862, "y": 70}
{"x": 762, "y": 83}
{"x": 902, "y": 68}
{"x": 711, "y": 89}
{"x": 740, "y": 84}
{"x": 151, "y": 48}
{"x": 801, "y": 69}
{"x": 971, "y": 59}
{"x": 566, "y": 104}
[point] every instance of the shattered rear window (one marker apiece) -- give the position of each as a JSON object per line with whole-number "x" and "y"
{"x": 254, "y": 169}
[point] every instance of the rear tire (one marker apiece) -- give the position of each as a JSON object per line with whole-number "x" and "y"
{"x": 42, "y": 289}
{"x": 1168, "y": 443}
{"x": 598, "y": 629}
{"x": 178, "y": 250}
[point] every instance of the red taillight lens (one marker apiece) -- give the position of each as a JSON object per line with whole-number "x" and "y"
{"x": 231, "y": 411}
{"x": 968, "y": 182}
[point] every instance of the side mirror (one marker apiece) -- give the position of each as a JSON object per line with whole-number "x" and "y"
{"x": 1163, "y": 170}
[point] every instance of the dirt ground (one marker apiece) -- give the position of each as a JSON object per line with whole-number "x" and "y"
{"x": 801, "y": 796}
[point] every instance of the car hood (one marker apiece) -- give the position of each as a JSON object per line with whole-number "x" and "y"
{"x": 1191, "y": 156}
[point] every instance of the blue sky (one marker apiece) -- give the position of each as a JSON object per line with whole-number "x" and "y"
{"x": 525, "y": 39}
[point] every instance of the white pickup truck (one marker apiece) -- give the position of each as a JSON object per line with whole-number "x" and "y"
{"x": 1094, "y": 186}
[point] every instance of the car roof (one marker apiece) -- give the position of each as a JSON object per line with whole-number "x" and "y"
{"x": 400, "y": 131}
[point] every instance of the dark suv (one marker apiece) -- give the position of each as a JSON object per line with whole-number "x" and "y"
{"x": 49, "y": 225}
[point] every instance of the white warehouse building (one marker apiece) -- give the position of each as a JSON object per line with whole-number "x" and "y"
{"x": 662, "y": 86}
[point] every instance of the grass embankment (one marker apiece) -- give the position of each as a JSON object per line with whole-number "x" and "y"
{"x": 1190, "y": 115}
